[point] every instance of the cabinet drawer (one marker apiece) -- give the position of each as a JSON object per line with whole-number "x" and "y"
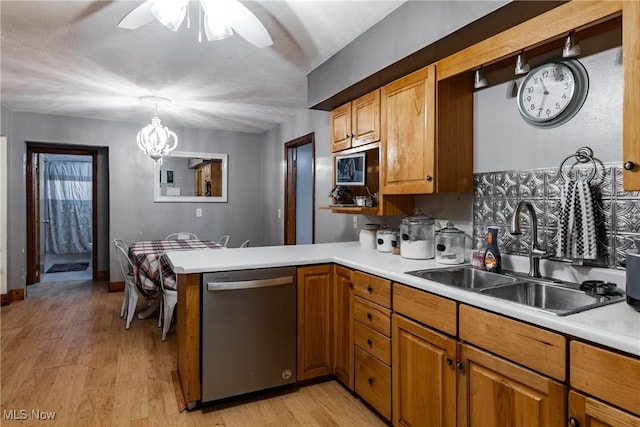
{"x": 373, "y": 342}
{"x": 372, "y": 288}
{"x": 372, "y": 315}
{"x": 535, "y": 348}
{"x": 373, "y": 382}
{"x": 605, "y": 374}
{"x": 432, "y": 310}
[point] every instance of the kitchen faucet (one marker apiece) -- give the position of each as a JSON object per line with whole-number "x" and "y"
{"x": 535, "y": 253}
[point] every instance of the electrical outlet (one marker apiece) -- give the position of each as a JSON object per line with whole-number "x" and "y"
{"x": 355, "y": 222}
{"x": 198, "y": 212}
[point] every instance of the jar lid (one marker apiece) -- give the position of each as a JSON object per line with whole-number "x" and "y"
{"x": 385, "y": 231}
{"x": 450, "y": 229}
{"x": 371, "y": 226}
{"x": 417, "y": 218}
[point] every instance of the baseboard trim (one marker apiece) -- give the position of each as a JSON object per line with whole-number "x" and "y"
{"x": 116, "y": 286}
{"x": 102, "y": 275}
{"x": 4, "y": 300}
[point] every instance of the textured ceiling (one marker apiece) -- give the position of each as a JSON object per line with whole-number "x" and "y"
{"x": 69, "y": 58}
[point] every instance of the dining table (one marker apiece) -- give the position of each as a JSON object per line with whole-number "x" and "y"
{"x": 149, "y": 266}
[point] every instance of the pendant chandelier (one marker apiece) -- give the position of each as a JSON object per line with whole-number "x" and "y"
{"x": 154, "y": 139}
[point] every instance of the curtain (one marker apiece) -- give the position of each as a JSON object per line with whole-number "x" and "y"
{"x": 68, "y": 203}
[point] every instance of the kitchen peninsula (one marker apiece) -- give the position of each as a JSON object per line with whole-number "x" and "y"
{"x": 615, "y": 327}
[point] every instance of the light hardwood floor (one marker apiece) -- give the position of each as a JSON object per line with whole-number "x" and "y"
{"x": 65, "y": 351}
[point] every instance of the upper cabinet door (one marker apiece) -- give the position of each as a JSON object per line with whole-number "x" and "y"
{"x": 631, "y": 103}
{"x": 341, "y": 128}
{"x": 365, "y": 119}
{"x": 408, "y": 134}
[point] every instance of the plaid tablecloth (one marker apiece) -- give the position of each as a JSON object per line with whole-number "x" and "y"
{"x": 145, "y": 255}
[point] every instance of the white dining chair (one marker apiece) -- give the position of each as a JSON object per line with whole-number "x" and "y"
{"x": 131, "y": 293}
{"x": 224, "y": 240}
{"x": 245, "y": 244}
{"x": 167, "y": 306}
{"x": 181, "y": 236}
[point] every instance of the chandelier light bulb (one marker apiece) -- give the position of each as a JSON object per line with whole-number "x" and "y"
{"x": 156, "y": 140}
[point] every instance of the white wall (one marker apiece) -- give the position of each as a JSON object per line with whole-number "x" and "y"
{"x": 3, "y": 214}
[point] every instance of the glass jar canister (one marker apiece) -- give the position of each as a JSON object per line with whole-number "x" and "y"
{"x": 368, "y": 236}
{"x": 417, "y": 236}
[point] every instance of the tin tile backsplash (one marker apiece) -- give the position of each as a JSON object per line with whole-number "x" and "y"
{"x": 496, "y": 195}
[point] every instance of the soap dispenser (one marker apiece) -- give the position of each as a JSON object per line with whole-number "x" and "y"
{"x": 492, "y": 258}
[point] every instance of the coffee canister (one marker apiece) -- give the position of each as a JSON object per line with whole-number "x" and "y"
{"x": 384, "y": 239}
{"x": 633, "y": 280}
{"x": 367, "y": 236}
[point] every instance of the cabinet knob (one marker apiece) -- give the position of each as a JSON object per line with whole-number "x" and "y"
{"x": 629, "y": 165}
{"x": 459, "y": 365}
{"x": 429, "y": 178}
{"x": 371, "y": 380}
{"x": 350, "y": 285}
{"x": 353, "y": 136}
{"x": 574, "y": 422}
{"x": 449, "y": 362}
{"x": 369, "y": 316}
{"x": 369, "y": 342}
{"x": 369, "y": 289}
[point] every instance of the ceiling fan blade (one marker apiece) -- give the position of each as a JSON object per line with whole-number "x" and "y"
{"x": 245, "y": 23}
{"x": 138, "y": 17}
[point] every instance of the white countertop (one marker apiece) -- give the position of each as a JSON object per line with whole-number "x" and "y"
{"x": 616, "y": 325}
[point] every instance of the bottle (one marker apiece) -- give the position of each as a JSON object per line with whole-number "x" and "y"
{"x": 492, "y": 259}
{"x": 477, "y": 257}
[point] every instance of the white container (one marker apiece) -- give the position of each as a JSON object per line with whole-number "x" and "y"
{"x": 417, "y": 233}
{"x": 368, "y": 236}
{"x": 384, "y": 237}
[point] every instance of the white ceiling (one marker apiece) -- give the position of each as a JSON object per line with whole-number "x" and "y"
{"x": 69, "y": 58}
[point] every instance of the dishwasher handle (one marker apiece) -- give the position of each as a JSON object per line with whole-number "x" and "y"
{"x": 248, "y": 284}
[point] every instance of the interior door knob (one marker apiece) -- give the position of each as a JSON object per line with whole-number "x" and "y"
{"x": 629, "y": 165}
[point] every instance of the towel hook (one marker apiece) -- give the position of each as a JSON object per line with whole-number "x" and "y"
{"x": 582, "y": 155}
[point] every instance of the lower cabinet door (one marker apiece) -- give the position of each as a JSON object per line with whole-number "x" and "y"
{"x": 424, "y": 376}
{"x": 373, "y": 382}
{"x": 585, "y": 411}
{"x": 498, "y": 393}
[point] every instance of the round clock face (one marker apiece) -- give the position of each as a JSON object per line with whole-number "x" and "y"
{"x": 553, "y": 93}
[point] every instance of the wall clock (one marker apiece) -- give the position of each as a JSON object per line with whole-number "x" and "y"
{"x": 552, "y": 93}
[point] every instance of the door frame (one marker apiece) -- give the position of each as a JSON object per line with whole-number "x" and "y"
{"x": 33, "y": 272}
{"x": 290, "y": 187}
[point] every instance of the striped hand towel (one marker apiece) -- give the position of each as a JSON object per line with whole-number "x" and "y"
{"x": 577, "y": 227}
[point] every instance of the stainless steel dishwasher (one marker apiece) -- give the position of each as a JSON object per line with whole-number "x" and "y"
{"x": 248, "y": 331}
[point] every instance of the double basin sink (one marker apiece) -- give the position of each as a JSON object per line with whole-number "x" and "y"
{"x": 559, "y": 298}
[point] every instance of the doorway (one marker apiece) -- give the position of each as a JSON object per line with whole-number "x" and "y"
{"x": 61, "y": 190}
{"x": 299, "y": 217}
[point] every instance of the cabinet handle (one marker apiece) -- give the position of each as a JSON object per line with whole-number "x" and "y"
{"x": 449, "y": 362}
{"x": 371, "y": 380}
{"x": 369, "y": 316}
{"x": 429, "y": 178}
{"x": 350, "y": 285}
{"x": 574, "y": 422}
{"x": 353, "y": 136}
{"x": 369, "y": 289}
{"x": 629, "y": 165}
{"x": 459, "y": 365}
{"x": 369, "y": 342}
{"x": 347, "y": 136}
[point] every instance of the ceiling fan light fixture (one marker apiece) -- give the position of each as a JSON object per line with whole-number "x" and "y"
{"x": 170, "y": 13}
{"x": 215, "y": 29}
{"x": 154, "y": 139}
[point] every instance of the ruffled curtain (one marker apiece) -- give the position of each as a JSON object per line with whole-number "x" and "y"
{"x": 68, "y": 194}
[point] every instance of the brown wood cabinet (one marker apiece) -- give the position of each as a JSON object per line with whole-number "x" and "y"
{"x": 356, "y": 123}
{"x": 314, "y": 321}
{"x": 495, "y": 393}
{"x": 423, "y": 376}
{"x": 372, "y": 340}
{"x": 631, "y": 101}
{"x": 427, "y": 134}
{"x": 585, "y": 412}
{"x": 607, "y": 375}
{"x": 343, "y": 333}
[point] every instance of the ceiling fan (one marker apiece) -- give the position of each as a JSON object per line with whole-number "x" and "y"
{"x": 220, "y": 19}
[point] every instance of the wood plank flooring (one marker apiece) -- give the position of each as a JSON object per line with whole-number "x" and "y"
{"x": 64, "y": 351}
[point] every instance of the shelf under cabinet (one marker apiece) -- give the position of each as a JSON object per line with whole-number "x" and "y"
{"x": 362, "y": 210}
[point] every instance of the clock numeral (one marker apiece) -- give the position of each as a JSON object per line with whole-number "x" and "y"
{"x": 530, "y": 89}
{"x": 533, "y": 107}
{"x": 545, "y": 74}
{"x": 557, "y": 105}
{"x": 529, "y": 98}
{"x": 548, "y": 112}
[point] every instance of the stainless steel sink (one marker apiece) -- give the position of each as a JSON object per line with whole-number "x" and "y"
{"x": 560, "y": 300}
{"x": 464, "y": 277}
{"x": 557, "y": 297}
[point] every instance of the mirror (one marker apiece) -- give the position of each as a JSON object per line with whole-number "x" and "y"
{"x": 191, "y": 177}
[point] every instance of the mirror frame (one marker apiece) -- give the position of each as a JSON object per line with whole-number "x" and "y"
{"x": 193, "y": 199}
